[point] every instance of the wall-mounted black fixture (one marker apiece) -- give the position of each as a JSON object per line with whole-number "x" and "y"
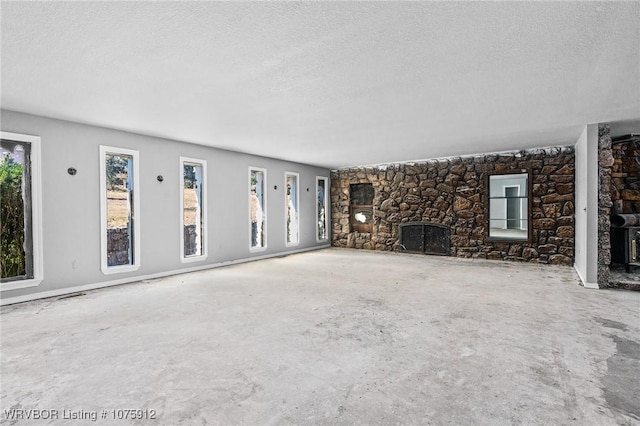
{"x": 307, "y": 189}
{"x": 72, "y": 171}
{"x": 275, "y": 187}
{"x": 160, "y": 178}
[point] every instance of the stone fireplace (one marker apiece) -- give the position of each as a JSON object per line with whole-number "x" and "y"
{"x": 424, "y": 237}
{"x": 402, "y": 207}
{"x": 619, "y": 207}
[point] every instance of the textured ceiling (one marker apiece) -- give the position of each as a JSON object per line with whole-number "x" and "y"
{"x": 328, "y": 83}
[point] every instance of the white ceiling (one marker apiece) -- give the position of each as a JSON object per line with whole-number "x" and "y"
{"x": 328, "y": 83}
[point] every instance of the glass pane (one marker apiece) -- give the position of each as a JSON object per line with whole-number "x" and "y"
{"x": 508, "y": 206}
{"x": 322, "y": 224}
{"x": 292, "y": 209}
{"x": 192, "y": 212}
{"x": 16, "y": 245}
{"x": 119, "y": 179}
{"x": 258, "y": 216}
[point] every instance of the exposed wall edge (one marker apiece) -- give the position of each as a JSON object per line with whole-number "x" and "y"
{"x": 585, "y": 283}
{"x": 95, "y": 286}
{"x": 517, "y": 152}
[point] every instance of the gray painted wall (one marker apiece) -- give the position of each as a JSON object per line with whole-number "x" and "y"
{"x": 71, "y": 204}
{"x": 586, "y": 209}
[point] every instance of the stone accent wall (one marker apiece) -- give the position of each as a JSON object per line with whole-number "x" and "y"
{"x": 605, "y": 163}
{"x": 454, "y": 192}
{"x": 625, "y": 176}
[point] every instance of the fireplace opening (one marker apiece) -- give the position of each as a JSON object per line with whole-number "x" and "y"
{"x": 427, "y": 238}
{"x": 625, "y": 240}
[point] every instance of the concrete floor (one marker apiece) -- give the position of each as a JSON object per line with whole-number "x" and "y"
{"x": 333, "y": 337}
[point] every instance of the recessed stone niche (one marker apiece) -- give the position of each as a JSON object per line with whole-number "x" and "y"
{"x": 625, "y": 176}
{"x": 453, "y": 192}
{"x": 361, "y": 207}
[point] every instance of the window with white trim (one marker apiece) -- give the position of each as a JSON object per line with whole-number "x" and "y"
{"x": 119, "y": 210}
{"x": 193, "y": 209}
{"x": 322, "y": 195}
{"x": 292, "y": 206}
{"x": 258, "y": 208}
{"x": 21, "y": 214}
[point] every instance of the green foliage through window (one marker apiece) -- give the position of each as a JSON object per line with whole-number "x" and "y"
{"x": 116, "y": 168}
{"x": 12, "y": 260}
{"x": 189, "y": 176}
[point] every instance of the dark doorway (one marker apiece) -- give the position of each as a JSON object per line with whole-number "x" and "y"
{"x": 513, "y": 207}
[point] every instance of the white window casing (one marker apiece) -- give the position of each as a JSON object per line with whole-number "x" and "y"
{"x": 36, "y": 211}
{"x": 292, "y": 210}
{"x": 261, "y": 223}
{"x": 325, "y": 200}
{"x": 135, "y": 216}
{"x": 201, "y": 210}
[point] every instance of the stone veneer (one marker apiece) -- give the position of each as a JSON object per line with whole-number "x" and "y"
{"x": 605, "y": 163}
{"x": 625, "y": 176}
{"x": 454, "y": 192}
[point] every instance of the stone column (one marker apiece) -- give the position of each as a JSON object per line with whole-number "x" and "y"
{"x": 605, "y": 163}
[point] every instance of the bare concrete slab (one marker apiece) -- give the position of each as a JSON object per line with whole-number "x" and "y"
{"x": 332, "y": 337}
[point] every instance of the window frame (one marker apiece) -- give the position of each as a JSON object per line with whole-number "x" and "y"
{"x": 529, "y": 187}
{"x": 264, "y": 208}
{"x": 203, "y": 209}
{"x": 326, "y": 210}
{"x": 286, "y": 234}
{"x": 36, "y": 212}
{"x": 117, "y": 269}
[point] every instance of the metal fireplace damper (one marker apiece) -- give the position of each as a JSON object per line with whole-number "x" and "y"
{"x": 423, "y": 237}
{"x": 625, "y": 240}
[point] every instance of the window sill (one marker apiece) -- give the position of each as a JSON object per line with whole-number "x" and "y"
{"x": 15, "y": 285}
{"x": 257, "y": 249}
{"x": 508, "y": 240}
{"x": 108, "y": 270}
{"x": 192, "y": 259}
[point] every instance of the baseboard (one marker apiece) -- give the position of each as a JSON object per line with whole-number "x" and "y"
{"x": 585, "y": 283}
{"x": 95, "y": 286}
